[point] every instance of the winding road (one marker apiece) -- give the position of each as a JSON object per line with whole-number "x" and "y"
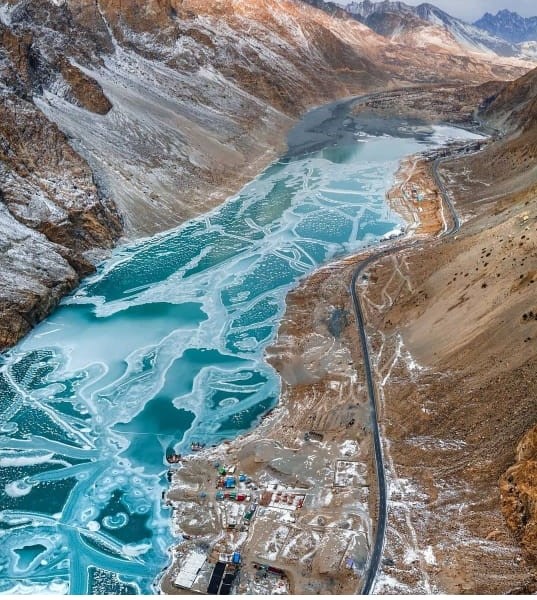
{"x": 380, "y": 534}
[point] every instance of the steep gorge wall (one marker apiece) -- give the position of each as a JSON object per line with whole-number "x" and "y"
{"x": 172, "y": 105}
{"x": 52, "y": 216}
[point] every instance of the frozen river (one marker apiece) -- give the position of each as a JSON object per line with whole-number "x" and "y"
{"x": 164, "y": 346}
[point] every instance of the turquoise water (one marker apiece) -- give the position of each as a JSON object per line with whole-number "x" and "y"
{"x": 162, "y": 347}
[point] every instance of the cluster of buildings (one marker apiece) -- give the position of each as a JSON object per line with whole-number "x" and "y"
{"x": 254, "y": 527}
{"x": 215, "y": 568}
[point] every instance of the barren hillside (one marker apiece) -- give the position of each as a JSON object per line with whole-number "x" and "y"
{"x": 464, "y": 310}
{"x": 172, "y": 105}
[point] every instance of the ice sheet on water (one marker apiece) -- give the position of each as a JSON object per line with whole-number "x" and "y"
{"x": 165, "y": 346}
{"x": 16, "y": 489}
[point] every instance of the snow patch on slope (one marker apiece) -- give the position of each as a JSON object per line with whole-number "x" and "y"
{"x": 5, "y": 14}
{"x": 466, "y": 35}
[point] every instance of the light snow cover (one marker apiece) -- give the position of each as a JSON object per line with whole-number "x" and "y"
{"x": 5, "y": 13}
{"x": 165, "y": 344}
{"x": 467, "y": 35}
{"x": 349, "y": 448}
{"x": 529, "y": 49}
{"x": 429, "y": 556}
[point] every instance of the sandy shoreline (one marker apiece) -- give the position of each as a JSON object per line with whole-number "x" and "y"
{"x": 322, "y": 400}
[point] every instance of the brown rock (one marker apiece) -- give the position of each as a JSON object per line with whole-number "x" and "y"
{"x": 51, "y": 216}
{"x": 518, "y": 487}
{"x": 87, "y": 92}
{"x": 214, "y": 103}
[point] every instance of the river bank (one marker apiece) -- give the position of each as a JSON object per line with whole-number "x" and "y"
{"x": 191, "y": 312}
{"x": 311, "y": 439}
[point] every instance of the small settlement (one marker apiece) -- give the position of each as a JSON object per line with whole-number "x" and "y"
{"x": 270, "y": 533}
{"x": 286, "y": 508}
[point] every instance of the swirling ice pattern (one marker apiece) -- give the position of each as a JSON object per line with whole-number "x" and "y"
{"x": 162, "y": 347}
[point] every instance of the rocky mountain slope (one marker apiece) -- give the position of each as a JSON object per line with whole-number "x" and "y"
{"x": 53, "y": 218}
{"x": 454, "y": 330}
{"x": 509, "y": 26}
{"x": 515, "y": 110}
{"x": 398, "y": 20}
{"x": 146, "y": 113}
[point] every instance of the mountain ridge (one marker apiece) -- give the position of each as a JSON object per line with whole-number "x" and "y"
{"x": 466, "y": 34}
{"x": 168, "y": 108}
{"x": 509, "y": 25}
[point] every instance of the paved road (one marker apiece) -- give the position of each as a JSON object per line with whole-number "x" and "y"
{"x": 380, "y": 534}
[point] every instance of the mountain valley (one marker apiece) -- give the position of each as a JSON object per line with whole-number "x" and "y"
{"x": 130, "y": 127}
{"x": 174, "y": 110}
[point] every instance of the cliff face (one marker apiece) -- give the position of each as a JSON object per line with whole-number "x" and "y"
{"x": 52, "y": 217}
{"x": 172, "y": 105}
{"x": 509, "y": 26}
{"x": 518, "y": 487}
{"x": 514, "y": 108}
{"x": 427, "y": 22}
{"x": 201, "y": 90}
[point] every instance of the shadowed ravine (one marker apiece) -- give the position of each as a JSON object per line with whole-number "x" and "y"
{"x": 165, "y": 346}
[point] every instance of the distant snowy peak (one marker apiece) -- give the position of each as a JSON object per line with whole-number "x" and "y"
{"x": 384, "y": 16}
{"x": 367, "y": 8}
{"x": 465, "y": 33}
{"x": 510, "y": 26}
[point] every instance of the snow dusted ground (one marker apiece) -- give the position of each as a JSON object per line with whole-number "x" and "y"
{"x": 444, "y": 29}
{"x": 189, "y": 122}
{"x": 157, "y": 136}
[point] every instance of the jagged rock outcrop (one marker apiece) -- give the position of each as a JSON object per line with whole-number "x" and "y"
{"x": 52, "y": 216}
{"x": 426, "y": 21}
{"x": 518, "y": 488}
{"x": 509, "y": 25}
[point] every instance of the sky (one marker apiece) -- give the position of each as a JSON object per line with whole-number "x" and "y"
{"x": 471, "y": 10}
